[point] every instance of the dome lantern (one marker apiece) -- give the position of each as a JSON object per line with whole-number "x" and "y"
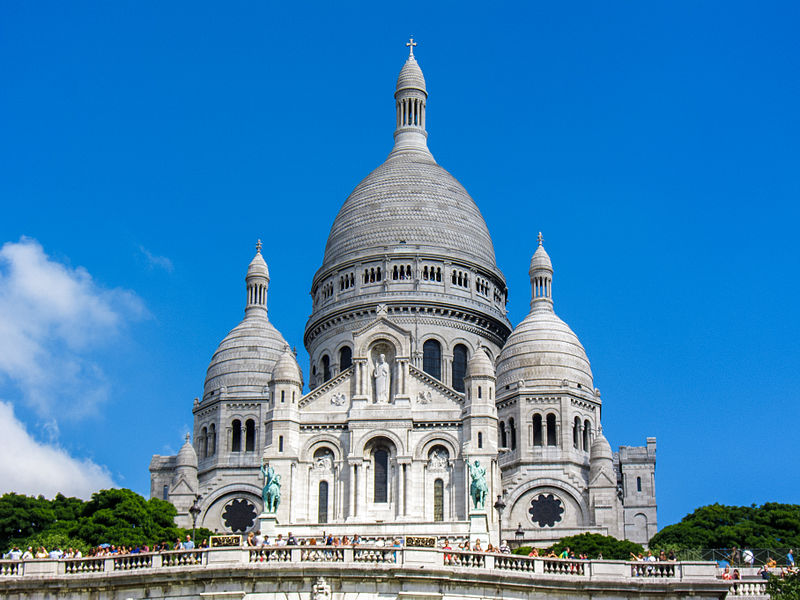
{"x": 410, "y": 100}
{"x": 541, "y": 273}
{"x": 257, "y": 282}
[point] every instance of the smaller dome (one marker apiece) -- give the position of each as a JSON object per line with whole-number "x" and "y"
{"x": 287, "y": 369}
{"x": 480, "y": 365}
{"x": 187, "y": 457}
{"x": 258, "y": 266}
{"x": 540, "y": 259}
{"x": 601, "y": 449}
{"x": 411, "y": 76}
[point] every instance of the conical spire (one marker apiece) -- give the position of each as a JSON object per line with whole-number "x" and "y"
{"x": 410, "y": 101}
{"x": 541, "y": 273}
{"x": 257, "y": 283}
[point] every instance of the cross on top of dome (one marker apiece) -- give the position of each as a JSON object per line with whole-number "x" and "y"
{"x": 540, "y": 238}
{"x": 258, "y": 246}
{"x": 411, "y": 43}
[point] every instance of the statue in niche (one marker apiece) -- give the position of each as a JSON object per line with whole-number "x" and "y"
{"x": 323, "y": 460}
{"x": 382, "y": 380}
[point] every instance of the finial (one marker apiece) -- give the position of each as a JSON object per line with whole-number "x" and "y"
{"x": 411, "y": 43}
{"x": 540, "y": 238}
{"x": 187, "y": 437}
{"x": 258, "y": 246}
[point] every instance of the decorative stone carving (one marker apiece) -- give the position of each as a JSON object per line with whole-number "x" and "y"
{"x": 321, "y": 589}
{"x": 323, "y": 460}
{"x": 439, "y": 459}
{"x": 424, "y": 397}
{"x": 338, "y": 399}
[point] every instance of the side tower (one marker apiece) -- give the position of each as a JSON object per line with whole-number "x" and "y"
{"x": 230, "y": 420}
{"x": 558, "y": 469}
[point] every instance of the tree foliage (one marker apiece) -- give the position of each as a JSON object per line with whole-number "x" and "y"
{"x": 592, "y": 544}
{"x": 718, "y": 526}
{"x": 115, "y": 516}
{"x": 784, "y": 588}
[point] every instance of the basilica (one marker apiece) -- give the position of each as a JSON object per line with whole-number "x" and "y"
{"x": 415, "y": 374}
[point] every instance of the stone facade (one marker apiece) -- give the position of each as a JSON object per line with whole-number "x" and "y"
{"x": 415, "y": 373}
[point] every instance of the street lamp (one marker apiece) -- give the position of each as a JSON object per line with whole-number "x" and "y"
{"x": 195, "y": 510}
{"x": 499, "y": 506}
{"x": 519, "y": 534}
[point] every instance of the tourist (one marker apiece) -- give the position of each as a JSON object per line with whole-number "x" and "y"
{"x": 771, "y": 563}
{"x": 28, "y": 554}
{"x": 280, "y": 541}
{"x": 251, "y": 539}
{"x": 671, "y": 555}
{"x": 291, "y": 540}
{"x": 477, "y": 546}
{"x": 599, "y": 556}
{"x": 534, "y": 553}
{"x": 490, "y": 548}
{"x": 41, "y": 552}
{"x": 790, "y": 559}
{"x": 258, "y": 540}
{"x": 189, "y": 543}
{"x": 564, "y": 553}
{"x": 266, "y": 541}
{"x": 15, "y": 553}
{"x": 748, "y": 557}
{"x": 726, "y": 573}
{"x": 446, "y": 546}
{"x": 736, "y": 575}
{"x": 504, "y": 547}
{"x": 662, "y": 556}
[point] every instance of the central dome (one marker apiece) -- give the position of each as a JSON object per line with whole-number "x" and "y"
{"x": 410, "y": 201}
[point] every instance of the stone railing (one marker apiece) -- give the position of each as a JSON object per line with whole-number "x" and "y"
{"x": 748, "y": 588}
{"x": 361, "y": 555}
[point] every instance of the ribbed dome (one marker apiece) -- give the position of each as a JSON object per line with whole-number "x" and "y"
{"x": 287, "y": 369}
{"x": 245, "y": 359}
{"x": 407, "y": 201}
{"x": 411, "y": 76}
{"x": 480, "y": 365}
{"x": 541, "y": 259}
{"x": 258, "y": 266}
{"x": 543, "y": 350}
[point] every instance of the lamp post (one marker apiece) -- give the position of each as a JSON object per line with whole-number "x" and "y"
{"x": 519, "y": 534}
{"x": 499, "y": 506}
{"x": 194, "y": 510}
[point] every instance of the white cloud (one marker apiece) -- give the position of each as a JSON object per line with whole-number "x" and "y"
{"x": 154, "y": 260}
{"x": 30, "y": 467}
{"x": 51, "y": 317}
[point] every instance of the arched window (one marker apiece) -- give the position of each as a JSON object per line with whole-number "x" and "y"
{"x": 381, "y": 480}
{"x": 204, "y": 443}
{"x": 537, "y": 430}
{"x": 638, "y": 484}
{"x": 345, "y": 358}
{"x": 432, "y": 358}
{"x": 587, "y": 428}
{"x": 502, "y": 434}
{"x": 326, "y": 368}
{"x": 480, "y": 440}
{"x": 552, "y": 440}
{"x": 512, "y": 432}
{"x": 249, "y": 435}
{"x": 576, "y": 433}
{"x": 438, "y": 500}
{"x": 212, "y": 440}
{"x": 459, "y": 367}
{"x": 236, "y": 437}
{"x": 322, "y": 509}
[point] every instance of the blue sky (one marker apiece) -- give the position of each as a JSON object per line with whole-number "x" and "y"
{"x": 146, "y": 146}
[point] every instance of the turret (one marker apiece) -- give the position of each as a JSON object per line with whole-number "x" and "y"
{"x": 257, "y": 283}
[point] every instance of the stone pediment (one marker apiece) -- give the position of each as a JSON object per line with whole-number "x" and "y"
{"x": 426, "y": 390}
{"x": 333, "y": 395}
{"x": 181, "y": 486}
{"x": 602, "y": 479}
{"x": 382, "y": 327}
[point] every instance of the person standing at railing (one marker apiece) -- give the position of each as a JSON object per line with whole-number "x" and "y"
{"x": 748, "y": 557}
{"x": 790, "y": 559}
{"x": 446, "y": 547}
{"x": 189, "y": 543}
{"x": 28, "y": 554}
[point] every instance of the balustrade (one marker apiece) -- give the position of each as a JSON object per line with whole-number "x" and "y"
{"x": 748, "y": 588}
{"x": 652, "y": 569}
{"x": 131, "y": 562}
{"x": 11, "y": 568}
{"x": 564, "y": 566}
{"x": 180, "y": 558}
{"x": 85, "y": 565}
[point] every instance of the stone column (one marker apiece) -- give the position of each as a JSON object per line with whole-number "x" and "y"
{"x": 353, "y": 490}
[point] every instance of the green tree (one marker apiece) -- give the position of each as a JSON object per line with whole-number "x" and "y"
{"x": 23, "y": 516}
{"x": 718, "y": 526}
{"x": 593, "y": 544}
{"x": 784, "y": 588}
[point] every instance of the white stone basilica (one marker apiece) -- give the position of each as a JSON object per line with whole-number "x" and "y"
{"x": 415, "y": 372}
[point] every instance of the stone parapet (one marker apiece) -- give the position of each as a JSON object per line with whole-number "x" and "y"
{"x": 367, "y": 571}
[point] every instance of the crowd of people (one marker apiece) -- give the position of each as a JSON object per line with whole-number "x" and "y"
{"x": 101, "y": 551}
